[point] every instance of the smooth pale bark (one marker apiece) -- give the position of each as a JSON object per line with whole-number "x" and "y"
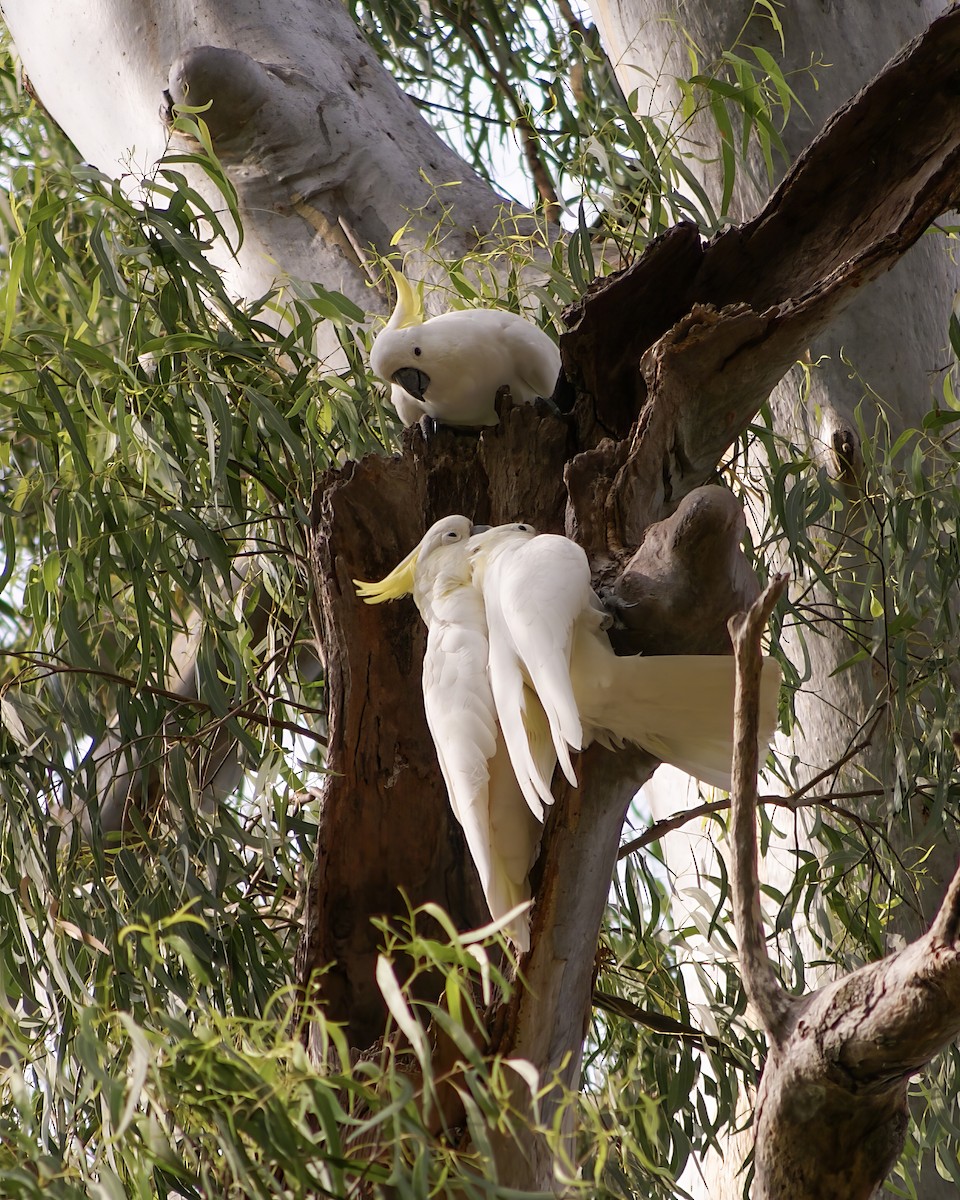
{"x": 328, "y": 156}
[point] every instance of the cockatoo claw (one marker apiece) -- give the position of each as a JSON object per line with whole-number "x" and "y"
{"x": 429, "y": 427}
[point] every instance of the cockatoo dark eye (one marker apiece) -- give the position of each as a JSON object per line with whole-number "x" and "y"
{"x": 417, "y": 351}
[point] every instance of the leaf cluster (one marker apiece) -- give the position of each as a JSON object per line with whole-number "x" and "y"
{"x": 527, "y": 90}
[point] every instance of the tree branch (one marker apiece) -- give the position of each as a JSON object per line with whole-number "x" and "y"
{"x": 667, "y": 1026}
{"x": 838, "y": 1079}
{"x": 708, "y": 330}
{"x": 759, "y": 978}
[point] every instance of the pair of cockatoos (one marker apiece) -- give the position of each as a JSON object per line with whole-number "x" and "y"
{"x": 518, "y": 672}
{"x": 451, "y": 367}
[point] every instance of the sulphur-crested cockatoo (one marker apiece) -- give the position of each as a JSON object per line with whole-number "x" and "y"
{"x": 451, "y": 367}
{"x": 546, "y": 633}
{"x": 501, "y": 832}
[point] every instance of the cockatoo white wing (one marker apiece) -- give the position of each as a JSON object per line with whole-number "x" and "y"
{"x": 501, "y": 833}
{"x": 460, "y": 714}
{"x": 526, "y": 729}
{"x": 514, "y": 838}
{"x": 538, "y": 588}
{"x": 537, "y": 360}
{"x": 678, "y": 707}
{"x": 523, "y": 722}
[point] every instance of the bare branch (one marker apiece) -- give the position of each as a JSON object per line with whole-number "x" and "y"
{"x": 666, "y": 1025}
{"x": 946, "y": 924}
{"x": 677, "y": 820}
{"x": 851, "y": 1050}
{"x": 762, "y": 986}
{"x": 660, "y": 829}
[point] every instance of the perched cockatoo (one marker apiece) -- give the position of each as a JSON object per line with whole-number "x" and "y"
{"x": 518, "y": 672}
{"x": 501, "y": 832}
{"x": 546, "y": 633}
{"x": 451, "y": 367}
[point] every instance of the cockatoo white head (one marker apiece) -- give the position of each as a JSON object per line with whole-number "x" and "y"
{"x": 452, "y": 366}
{"x": 487, "y": 544}
{"x": 438, "y": 559}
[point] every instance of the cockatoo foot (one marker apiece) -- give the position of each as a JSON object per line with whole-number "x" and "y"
{"x": 428, "y": 427}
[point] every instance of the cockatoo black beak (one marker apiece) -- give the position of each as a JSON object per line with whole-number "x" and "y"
{"x": 479, "y": 529}
{"x": 411, "y": 380}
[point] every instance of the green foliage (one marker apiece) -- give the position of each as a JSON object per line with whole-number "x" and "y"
{"x": 158, "y": 441}
{"x": 528, "y": 87}
{"x": 159, "y": 445}
{"x": 147, "y": 1098}
{"x": 666, "y": 1073}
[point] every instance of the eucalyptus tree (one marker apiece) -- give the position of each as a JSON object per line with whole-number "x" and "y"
{"x": 872, "y": 376}
{"x": 188, "y": 502}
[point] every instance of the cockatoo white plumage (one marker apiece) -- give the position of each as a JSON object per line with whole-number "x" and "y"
{"x": 546, "y": 632}
{"x": 501, "y": 832}
{"x": 518, "y": 672}
{"x": 451, "y": 366}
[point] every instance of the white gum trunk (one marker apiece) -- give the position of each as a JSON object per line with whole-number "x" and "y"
{"x": 329, "y": 157}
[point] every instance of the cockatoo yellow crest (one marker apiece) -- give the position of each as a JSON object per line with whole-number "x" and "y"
{"x": 391, "y": 587}
{"x": 409, "y": 309}
{"x": 451, "y": 367}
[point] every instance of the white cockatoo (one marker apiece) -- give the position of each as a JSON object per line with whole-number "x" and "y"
{"x": 546, "y": 633}
{"x": 451, "y": 367}
{"x": 518, "y": 672}
{"x": 502, "y": 833}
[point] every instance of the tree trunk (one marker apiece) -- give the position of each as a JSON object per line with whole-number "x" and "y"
{"x": 328, "y": 156}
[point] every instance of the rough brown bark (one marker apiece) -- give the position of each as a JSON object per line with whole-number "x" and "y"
{"x": 386, "y": 822}
{"x": 672, "y": 358}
